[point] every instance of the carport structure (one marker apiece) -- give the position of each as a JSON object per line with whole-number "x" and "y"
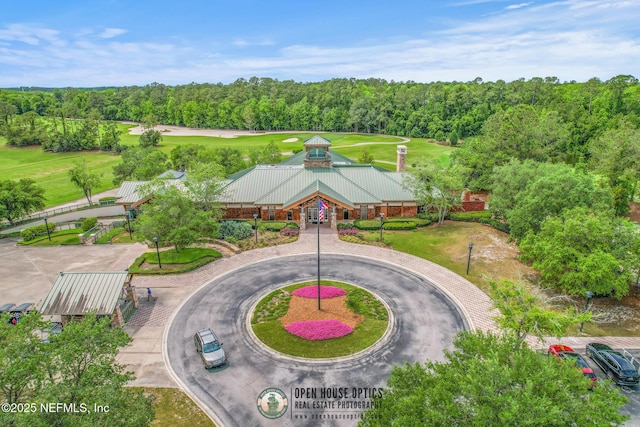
{"x": 73, "y": 295}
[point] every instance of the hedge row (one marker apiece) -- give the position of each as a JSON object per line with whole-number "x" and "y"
{"x": 404, "y": 225}
{"x": 31, "y": 233}
{"x": 474, "y": 216}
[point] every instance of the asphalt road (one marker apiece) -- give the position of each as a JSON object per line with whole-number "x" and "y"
{"x": 318, "y": 392}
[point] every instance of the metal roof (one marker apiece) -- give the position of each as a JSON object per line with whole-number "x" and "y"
{"x": 317, "y": 140}
{"x": 349, "y": 191}
{"x": 76, "y": 294}
{"x": 385, "y": 185}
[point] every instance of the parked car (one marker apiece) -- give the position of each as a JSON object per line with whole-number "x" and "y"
{"x": 613, "y": 364}
{"x": 210, "y": 348}
{"x": 5, "y": 308}
{"x": 564, "y": 352}
{"x": 19, "y": 311}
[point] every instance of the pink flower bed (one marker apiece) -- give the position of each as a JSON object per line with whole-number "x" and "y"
{"x": 317, "y": 330}
{"x": 325, "y": 292}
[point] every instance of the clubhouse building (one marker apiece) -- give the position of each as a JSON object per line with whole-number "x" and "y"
{"x": 290, "y": 190}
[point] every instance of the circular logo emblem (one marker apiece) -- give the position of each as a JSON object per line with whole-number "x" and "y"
{"x": 272, "y": 403}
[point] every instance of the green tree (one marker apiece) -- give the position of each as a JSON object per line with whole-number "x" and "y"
{"x": 174, "y": 217}
{"x": 150, "y": 138}
{"x": 365, "y": 156}
{"x": 435, "y": 186}
{"x": 521, "y": 313}
{"x": 267, "y": 155}
{"x": 23, "y": 360}
{"x": 83, "y": 359}
{"x": 556, "y": 188}
{"x": 204, "y": 183}
{"x": 20, "y": 198}
{"x": 141, "y": 164}
{"x": 582, "y": 250}
{"x": 484, "y": 382}
{"x": 230, "y": 159}
{"x": 616, "y": 155}
{"x": 82, "y": 177}
{"x": 110, "y": 137}
{"x": 520, "y": 132}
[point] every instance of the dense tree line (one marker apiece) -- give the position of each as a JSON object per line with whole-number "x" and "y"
{"x": 444, "y": 111}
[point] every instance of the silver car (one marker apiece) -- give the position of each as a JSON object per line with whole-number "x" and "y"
{"x": 210, "y": 348}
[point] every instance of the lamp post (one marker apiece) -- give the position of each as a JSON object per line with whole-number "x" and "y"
{"x": 46, "y": 225}
{"x": 469, "y": 257}
{"x": 255, "y": 226}
{"x": 589, "y": 295}
{"x": 381, "y": 217}
{"x": 155, "y": 240}
{"x": 129, "y": 222}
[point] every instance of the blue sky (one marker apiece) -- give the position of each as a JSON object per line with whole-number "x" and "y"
{"x": 115, "y": 42}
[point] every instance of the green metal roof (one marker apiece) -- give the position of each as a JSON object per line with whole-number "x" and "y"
{"x": 317, "y": 140}
{"x": 315, "y": 188}
{"x": 347, "y": 190}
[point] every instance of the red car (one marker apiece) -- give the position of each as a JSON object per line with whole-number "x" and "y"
{"x": 562, "y": 351}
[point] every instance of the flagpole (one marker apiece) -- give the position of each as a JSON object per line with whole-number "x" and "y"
{"x": 318, "y": 220}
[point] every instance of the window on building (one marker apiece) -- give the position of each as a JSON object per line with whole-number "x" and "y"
{"x": 421, "y": 209}
{"x": 289, "y": 215}
{"x": 272, "y": 213}
{"x": 345, "y": 213}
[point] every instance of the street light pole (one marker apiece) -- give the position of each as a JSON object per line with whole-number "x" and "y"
{"x": 129, "y": 222}
{"x": 589, "y": 295}
{"x": 381, "y": 217}
{"x": 255, "y": 226}
{"x": 46, "y": 224}
{"x": 155, "y": 240}
{"x": 469, "y": 257}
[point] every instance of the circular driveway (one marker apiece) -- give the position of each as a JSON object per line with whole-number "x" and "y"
{"x": 325, "y": 392}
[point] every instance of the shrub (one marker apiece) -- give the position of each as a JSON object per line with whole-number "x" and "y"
{"x": 431, "y": 216}
{"x": 326, "y": 292}
{"x": 348, "y": 231}
{"x": 316, "y": 330}
{"x": 498, "y": 225}
{"x": 89, "y": 223}
{"x": 292, "y": 225}
{"x": 231, "y": 240}
{"x": 274, "y": 226}
{"x": 290, "y": 231}
{"x": 236, "y": 229}
{"x": 404, "y": 225}
{"x": 31, "y": 233}
{"x": 344, "y": 225}
{"x": 367, "y": 224}
{"x": 473, "y": 216}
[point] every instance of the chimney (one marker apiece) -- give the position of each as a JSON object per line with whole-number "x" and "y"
{"x": 402, "y": 158}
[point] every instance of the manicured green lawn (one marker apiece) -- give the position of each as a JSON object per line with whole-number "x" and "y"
{"x": 173, "y": 262}
{"x": 270, "y": 331}
{"x": 64, "y": 237}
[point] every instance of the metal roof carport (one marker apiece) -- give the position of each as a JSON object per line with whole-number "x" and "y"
{"x": 76, "y": 294}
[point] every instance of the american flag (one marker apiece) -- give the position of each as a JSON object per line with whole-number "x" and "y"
{"x": 321, "y": 207}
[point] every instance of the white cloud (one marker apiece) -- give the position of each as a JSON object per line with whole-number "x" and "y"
{"x": 517, "y": 6}
{"x": 569, "y": 39}
{"x": 111, "y": 33}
